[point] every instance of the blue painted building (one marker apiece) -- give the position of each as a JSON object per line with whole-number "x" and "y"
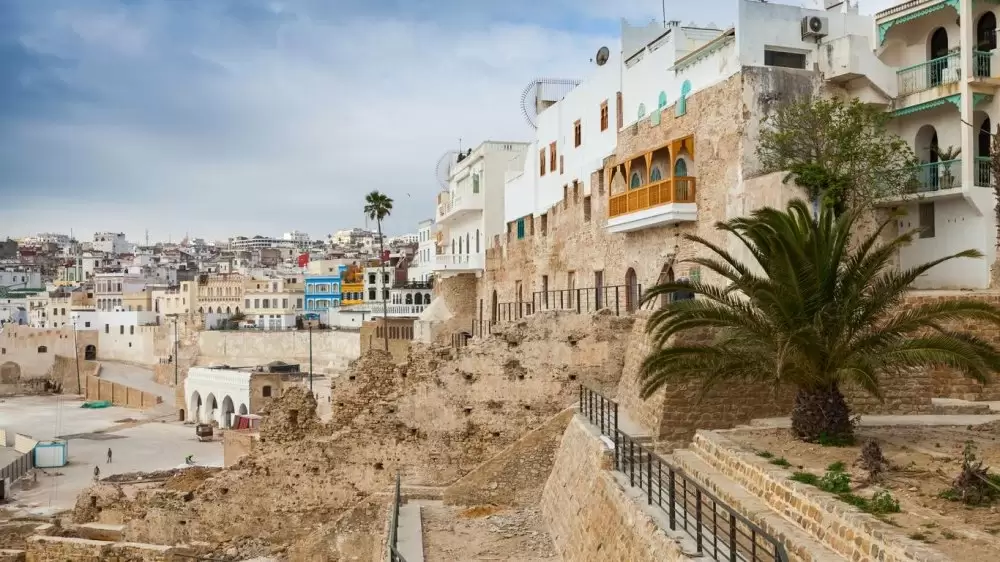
{"x": 324, "y": 290}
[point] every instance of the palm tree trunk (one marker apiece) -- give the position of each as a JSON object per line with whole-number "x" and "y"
{"x": 385, "y": 295}
{"x": 822, "y": 415}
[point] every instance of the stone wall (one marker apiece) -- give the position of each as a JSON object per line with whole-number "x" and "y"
{"x": 22, "y": 344}
{"x": 517, "y": 475}
{"x": 331, "y": 350}
{"x": 400, "y": 336}
{"x": 65, "y": 373}
{"x": 846, "y": 530}
{"x": 119, "y": 394}
{"x": 59, "y": 549}
{"x": 588, "y": 513}
{"x": 236, "y": 445}
{"x": 134, "y": 344}
{"x": 453, "y": 310}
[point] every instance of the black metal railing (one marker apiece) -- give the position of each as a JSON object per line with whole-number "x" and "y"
{"x": 719, "y": 532}
{"x": 393, "y": 554}
{"x": 619, "y": 299}
{"x": 511, "y": 311}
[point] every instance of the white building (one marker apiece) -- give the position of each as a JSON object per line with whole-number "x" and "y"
{"x": 273, "y": 304}
{"x": 377, "y": 283}
{"x": 20, "y": 277}
{"x": 422, "y": 266}
{"x": 113, "y": 243}
{"x": 471, "y": 213}
{"x": 216, "y": 395}
{"x": 296, "y": 237}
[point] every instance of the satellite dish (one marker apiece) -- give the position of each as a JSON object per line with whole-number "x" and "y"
{"x": 444, "y": 166}
{"x": 602, "y": 56}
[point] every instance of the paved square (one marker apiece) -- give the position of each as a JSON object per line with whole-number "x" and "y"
{"x": 145, "y": 445}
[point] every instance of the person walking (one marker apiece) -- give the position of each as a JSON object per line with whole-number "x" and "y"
{"x": 109, "y": 455}
{"x": 97, "y": 473}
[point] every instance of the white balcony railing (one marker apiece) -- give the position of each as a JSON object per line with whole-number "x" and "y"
{"x": 459, "y": 203}
{"x": 459, "y": 262}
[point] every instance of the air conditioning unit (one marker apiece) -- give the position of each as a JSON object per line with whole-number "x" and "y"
{"x": 815, "y": 26}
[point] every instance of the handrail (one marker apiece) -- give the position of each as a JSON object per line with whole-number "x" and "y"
{"x": 928, "y": 74}
{"x": 719, "y": 531}
{"x": 392, "y": 554}
{"x": 618, "y": 298}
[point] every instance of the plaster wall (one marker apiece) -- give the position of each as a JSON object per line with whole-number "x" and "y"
{"x": 22, "y": 344}
{"x": 331, "y": 350}
{"x": 223, "y": 388}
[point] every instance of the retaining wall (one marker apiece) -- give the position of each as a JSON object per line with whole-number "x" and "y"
{"x": 119, "y": 394}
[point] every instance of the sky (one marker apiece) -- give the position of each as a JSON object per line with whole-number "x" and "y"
{"x": 218, "y": 118}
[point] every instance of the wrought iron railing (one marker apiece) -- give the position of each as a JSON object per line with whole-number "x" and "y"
{"x": 616, "y": 298}
{"x": 510, "y": 311}
{"x": 984, "y": 172}
{"x": 933, "y": 176}
{"x": 392, "y": 554}
{"x": 982, "y": 63}
{"x": 926, "y": 75}
{"x": 719, "y": 532}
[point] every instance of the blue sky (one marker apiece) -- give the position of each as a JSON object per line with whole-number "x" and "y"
{"x": 225, "y": 117}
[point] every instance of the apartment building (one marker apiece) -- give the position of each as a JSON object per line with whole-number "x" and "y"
{"x": 110, "y": 288}
{"x": 323, "y": 291}
{"x": 178, "y": 299}
{"x": 635, "y": 156}
{"x": 273, "y": 304}
{"x": 471, "y": 212}
{"x": 20, "y": 277}
{"x": 220, "y": 293}
{"x": 422, "y": 267}
{"x": 113, "y": 243}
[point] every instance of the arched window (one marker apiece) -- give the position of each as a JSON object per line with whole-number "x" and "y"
{"x": 680, "y": 168}
{"x": 409, "y": 298}
{"x": 636, "y": 181}
{"x": 682, "y": 101}
{"x": 460, "y": 244}
{"x": 642, "y": 110}
{"x": 477, "y": 240}
{"x": 663, "y": 100}
{"x": 427, "y": 298}
{"x": 452, "y": 245}
{"x": 656, "y": 174}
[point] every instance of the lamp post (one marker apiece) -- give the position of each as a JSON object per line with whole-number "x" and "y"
{"x": 176, "y": 358}
{"x": 310, "y": 356}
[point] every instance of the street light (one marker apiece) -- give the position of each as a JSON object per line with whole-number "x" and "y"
{"x": 174, "y": 318}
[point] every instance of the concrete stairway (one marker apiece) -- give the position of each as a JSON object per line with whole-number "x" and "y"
{"x": 410, "y": 533}
{"x": 799, "y": 544}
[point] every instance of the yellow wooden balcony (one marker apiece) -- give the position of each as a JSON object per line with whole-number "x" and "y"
{"x": 676, "y": 190}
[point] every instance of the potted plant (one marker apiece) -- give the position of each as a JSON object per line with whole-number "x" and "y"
{"x": 946, "y": 158}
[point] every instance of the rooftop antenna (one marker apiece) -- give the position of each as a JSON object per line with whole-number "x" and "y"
{"x": 663, "y": 7}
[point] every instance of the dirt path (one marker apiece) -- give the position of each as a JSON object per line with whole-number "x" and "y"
{"x": 479, "y": 534}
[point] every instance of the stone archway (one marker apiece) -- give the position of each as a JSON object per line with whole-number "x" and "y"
{"x": 211, "y": 412}
{"x": 228, "y": 409}
{"x": 90, "y": 352}
{"x": 194, "y": 407}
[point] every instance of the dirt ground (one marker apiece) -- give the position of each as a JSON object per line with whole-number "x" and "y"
{"x": 484, "y": 533}
{"x": 924, "y": 461}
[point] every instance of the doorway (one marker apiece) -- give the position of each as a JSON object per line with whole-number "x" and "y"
{"x": 937, "y": 49}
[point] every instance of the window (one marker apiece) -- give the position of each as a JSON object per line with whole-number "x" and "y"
{"x": 371, "y": 276}
{"x": 552, "y": 157}
{"x": 43, "y": 349}
{"x": 576, "y": 191}
{"x": 475, "y": 183}
{"x": 565, "y": 196}
{"x": 655, "y": 175}
{"x": 131, "y": 330}
{"x": 107, "y": 329}
{"x": 578, "y": 133}
{"x": 298, "y": 303}
{"x": 371, "y": 294}
{"x": 680, "y": 168}
{"x": 121, "y": 330}
{"x": 604, "y": 115}
{"x": 520, "y": 228}
{"x": 86, "y": 324}
{"x": 541, "y": 162}
{"x": 926, "y": 211}
{"x": 642, "y": 110}
{"x": 266, "y": 391}
{"x": 662, "y": 102}
{"x": 266, "y": 303}
{"x": 385, "y": 276}
{"x": 586, "y": 209}
{"x": 256, "y": 303}
{"x": 545, "y": 224}
{"x": 248, "y": 303}
{"x": 636, "y": 181}
{"x": 784, "y": 59}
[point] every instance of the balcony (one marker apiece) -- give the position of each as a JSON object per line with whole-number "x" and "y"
{"x": 657, "y": 204}
{"x": 943, "y": 180}
{"x": 459, "y": 263}
{"x": 458, "y": 205}
{"x": 930, "y": 74}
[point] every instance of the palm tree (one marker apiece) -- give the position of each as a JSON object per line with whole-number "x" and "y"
{"x": 826, "y": 312}
{"x": 378, "y": 206}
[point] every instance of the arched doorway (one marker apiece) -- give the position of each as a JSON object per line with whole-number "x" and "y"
{"x": 631, "y": 290}
{"x": 986, "y": 42}
{"x": 194, "y": 406}
{"x": 10, "y": 373}
{"x": 937, "y": 47}
{"x": 927, "y": 151}
{"x": 228, "y": 409}
{"x": 181, "y": 414}
{"x": 243, "y": 409}
{"x": 90, "y": 353}
{"x": 211, "y": 409}
{"x": 495, "y": 308}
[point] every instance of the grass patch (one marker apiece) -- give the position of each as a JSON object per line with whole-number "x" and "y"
{"x": 781, "y": 461}
{"x": 836, "y": 467}
{"x": 919, "y": 537}
{"x": 805, "y": 478}
{"x": 835, "y": 482}
{"x": 825, "y": 440}
{"x": 765, "y": 454}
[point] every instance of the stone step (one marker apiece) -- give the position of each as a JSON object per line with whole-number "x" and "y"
{"x": 410, "y": 533}
{"x": 799, "y": 544}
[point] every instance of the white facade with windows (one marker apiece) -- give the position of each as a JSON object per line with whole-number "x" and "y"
{"x": 113, "y": 243}
{"x": 20, "y": 277}
{"x": 471, "y": 213}
{"x": 422, "y": 266}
